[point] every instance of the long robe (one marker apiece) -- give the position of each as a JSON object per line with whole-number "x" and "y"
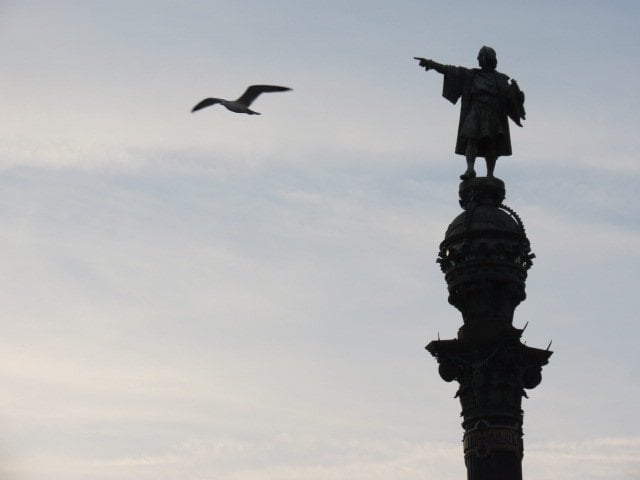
{"x": 484, "y": 108}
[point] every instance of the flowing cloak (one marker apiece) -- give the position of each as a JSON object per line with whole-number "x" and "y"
{"x": 487, "y": 100}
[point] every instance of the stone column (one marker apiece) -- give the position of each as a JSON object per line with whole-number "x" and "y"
{"x": 485, "y": 257}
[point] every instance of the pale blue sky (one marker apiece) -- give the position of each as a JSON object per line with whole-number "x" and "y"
{"x": 218, "y": 296}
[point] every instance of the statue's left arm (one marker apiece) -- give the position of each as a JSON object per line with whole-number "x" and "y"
{"x": 515, "y": 103}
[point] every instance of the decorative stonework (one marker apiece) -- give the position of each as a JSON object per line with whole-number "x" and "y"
{"x": 483, "y": 440}
{"x": 485, "y": 257}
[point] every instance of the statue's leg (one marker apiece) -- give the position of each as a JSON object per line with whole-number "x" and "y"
{"x": 491, "y": 165}
{"x": 471, "y": 153}
{"x": 491, "y": 158}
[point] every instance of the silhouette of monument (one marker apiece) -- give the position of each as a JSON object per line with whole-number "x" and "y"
{"x": 488, "y": 99}
{"x": 485, "y": 257}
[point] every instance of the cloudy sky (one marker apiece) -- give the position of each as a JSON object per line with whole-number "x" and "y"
{"x": 220, "y": 296}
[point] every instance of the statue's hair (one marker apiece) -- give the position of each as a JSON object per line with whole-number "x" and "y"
{"x": 490, "y": 56}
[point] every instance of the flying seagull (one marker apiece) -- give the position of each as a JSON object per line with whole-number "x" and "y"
{"x": 241, "y": 105}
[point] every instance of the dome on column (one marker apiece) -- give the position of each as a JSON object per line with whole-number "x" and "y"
{"x": 485, "y": 256}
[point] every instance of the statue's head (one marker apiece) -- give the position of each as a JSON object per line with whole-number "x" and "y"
{"x": 487, "y": 58}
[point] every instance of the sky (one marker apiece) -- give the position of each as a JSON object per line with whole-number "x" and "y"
{"x": 221, "y": 296}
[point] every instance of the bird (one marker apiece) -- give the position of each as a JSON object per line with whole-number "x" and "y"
{"x": 241, "y": 105}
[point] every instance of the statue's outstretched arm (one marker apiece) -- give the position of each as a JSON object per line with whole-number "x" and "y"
{"x": 430, "y": 65}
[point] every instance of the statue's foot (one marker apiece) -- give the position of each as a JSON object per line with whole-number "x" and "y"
{"x": 468, "y": 174}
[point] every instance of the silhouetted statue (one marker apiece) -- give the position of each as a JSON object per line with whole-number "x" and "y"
{"x": 487, "y": 100}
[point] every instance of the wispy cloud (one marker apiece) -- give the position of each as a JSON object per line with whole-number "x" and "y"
{"x": 218, "y": 296}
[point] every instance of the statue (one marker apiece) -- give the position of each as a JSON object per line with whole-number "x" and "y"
{"x": 487, "y": 100}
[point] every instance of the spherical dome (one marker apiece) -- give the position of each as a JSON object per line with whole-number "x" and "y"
{"x": 483, "y": 218}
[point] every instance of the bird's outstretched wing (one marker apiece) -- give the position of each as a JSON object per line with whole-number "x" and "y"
{"x": 207, "y": 102}
{"x": 254, "y": 90}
